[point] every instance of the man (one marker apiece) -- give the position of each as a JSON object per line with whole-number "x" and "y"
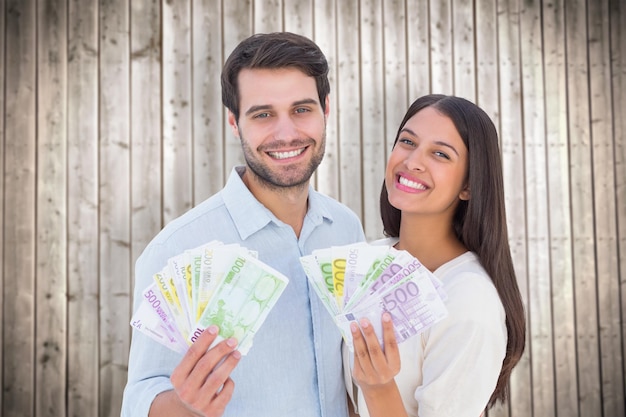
{"x": 275, "y": 87}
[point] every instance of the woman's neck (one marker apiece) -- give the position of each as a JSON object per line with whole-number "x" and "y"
{"x": 431, "y": 240}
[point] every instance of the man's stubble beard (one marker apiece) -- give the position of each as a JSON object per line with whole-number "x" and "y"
{"x": 278, "y": 181}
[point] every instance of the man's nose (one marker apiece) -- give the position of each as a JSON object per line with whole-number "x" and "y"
{"x": 285, "y": 129}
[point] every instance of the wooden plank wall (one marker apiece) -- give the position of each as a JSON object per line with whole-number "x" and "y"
{"x": 112, "y": 125}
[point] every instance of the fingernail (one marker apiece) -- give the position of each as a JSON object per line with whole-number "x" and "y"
{"x": 232, "y": 342}
{"x": 365, "y": 323}
{"x": 236, "y": 354}
{"x": 353, "y": 327}
{"x": 386, "y": 317}
{"x": 212, "y": 329}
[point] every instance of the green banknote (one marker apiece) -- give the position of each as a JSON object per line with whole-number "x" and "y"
{"x": 242, "y": 301}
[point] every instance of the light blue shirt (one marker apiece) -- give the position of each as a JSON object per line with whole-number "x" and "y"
{"x": 294, "y": 367}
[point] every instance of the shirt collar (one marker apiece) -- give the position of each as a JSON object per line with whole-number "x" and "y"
{"x": 250, "y": 216}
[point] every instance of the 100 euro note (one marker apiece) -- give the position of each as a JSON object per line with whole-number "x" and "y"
{"x": 242, "y": 301}
{"x": 180, "y": 303}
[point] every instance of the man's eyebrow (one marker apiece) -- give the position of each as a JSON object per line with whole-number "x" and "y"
{"x": 261, "y": 107}
{"x": 255, "y": 109}
{"x": 305, "y": 101}
{"x": 437, "y": 142}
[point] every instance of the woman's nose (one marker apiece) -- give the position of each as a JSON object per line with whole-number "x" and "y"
{"x": 415, "y": 161}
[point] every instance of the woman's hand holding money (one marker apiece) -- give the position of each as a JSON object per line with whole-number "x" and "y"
{"x": 202, "y": 379}
{"x": 375, "y": 369}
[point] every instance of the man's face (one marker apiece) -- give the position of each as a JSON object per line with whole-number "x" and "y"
{"x": 281, "y": 125}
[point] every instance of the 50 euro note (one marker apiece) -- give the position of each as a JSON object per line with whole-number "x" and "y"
{"x": 242, "y": 301}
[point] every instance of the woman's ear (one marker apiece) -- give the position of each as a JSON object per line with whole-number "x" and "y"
{"x": 465, "y": 193}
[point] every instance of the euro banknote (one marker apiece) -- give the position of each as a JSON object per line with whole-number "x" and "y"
{"x": 361, "y": 280}
{"x": 219, "y": 284}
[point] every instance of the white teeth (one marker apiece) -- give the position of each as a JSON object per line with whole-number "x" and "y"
{"x": 285, "y": 155}
{"x": 412, "y": 184}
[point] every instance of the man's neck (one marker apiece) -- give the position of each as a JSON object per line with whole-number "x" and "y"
{"x": 288, "y": 204}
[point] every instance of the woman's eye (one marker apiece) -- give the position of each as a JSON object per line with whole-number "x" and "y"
{"x": 406, "y": 141}
{"x": 442, "y": 154}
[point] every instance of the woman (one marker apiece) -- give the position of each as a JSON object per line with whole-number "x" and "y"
{"x": 442, "y": 200}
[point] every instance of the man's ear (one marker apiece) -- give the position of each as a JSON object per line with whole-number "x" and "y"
{"x": 465, "y": 193}
{"x": 327, "y": 108}
{"x": 233, "y": 123}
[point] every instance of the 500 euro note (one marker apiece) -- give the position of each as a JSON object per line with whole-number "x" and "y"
{"x": 413, "y": 303}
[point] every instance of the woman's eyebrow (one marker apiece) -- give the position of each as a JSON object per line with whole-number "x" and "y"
{"x": 437, "y": 142}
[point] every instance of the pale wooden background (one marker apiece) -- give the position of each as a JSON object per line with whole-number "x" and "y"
{"x": 112, "y": 124}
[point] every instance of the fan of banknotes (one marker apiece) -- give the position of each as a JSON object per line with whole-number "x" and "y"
{"x": 215, "y": 283}
{"x": 363, "y": 280}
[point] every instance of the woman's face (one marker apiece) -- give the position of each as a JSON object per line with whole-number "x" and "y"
{"x": 427, "y": 170}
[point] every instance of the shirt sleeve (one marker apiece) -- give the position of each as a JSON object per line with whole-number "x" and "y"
{"x": 150, "y": 363}
{"x": 463, "y": 353}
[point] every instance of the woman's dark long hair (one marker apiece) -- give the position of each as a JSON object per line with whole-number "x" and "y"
{"x": 480, "y": 222}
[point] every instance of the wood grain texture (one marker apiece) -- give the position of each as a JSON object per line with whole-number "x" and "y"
{"x": 297, "y": 17}
{"x": 464, "y": 47}
{"x": 617, "y": 22}
{"x": 112, "y": 124}
{"x": 325, "y": 22}
{"x": 146, "y": 130}
{"x": 441, "y": 52}
{"x": 581, "y": 183}
{"x": 82, "y": 204}
{"x": 51, "y": 244}
{"x": 237, "y": 20}
{"x": 562, "y": 273}
{"x": 511, "y": 139}
{"x": 349, "y": 106}
{"x": 114, "y": 213}
{"x": 604, "y": 210}
{"x": 177, "y": 125}
{"x": 19, "y": 232}
{"x": 374, "y": 107}
{"x": 537, "y": 225}
{"x": 2, "y": 210}
{"x": 209, "y": 172}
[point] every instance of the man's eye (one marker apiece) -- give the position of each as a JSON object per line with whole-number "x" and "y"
{"x": 262, "y": 116}
{"x": 301, "y": 110}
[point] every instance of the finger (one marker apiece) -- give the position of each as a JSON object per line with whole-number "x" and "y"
{"x": 392, "y": 353}
{"x": 206, "y": 379}
{"x": 362, "y": 361}
{"x": 218, "y": 387}
{"x": 221, "y": 399}
{"x": 220, "y": 373}
{"x": 195, "y": 352}
{"x": 376, "y": 354}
